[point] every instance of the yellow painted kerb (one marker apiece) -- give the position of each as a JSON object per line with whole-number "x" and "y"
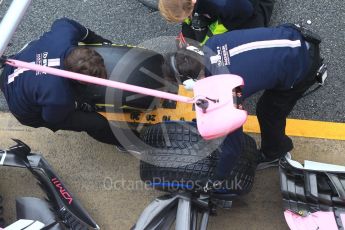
{"x": 294, "y": 127}
{"x": 304, "y": 128}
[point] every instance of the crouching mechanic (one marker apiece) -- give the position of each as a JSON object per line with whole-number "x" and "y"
{"x": 43, "y": 100}
{"x": 201, "y": 19}
{"x": 284, "y": 61}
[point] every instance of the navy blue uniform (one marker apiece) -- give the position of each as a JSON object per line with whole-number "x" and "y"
{"x": 266, "y": 58}
{"x": 38, "y": 98}
{"x": 43, "y": 100}
{"x": 230, "y": 12}
{"x": 277, "y": 60}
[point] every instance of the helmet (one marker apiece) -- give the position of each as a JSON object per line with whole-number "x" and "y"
{"x": 172, "y": 62}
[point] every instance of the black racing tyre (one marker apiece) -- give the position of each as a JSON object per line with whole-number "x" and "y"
{"x": 175, "y": 144}
{"x": 191, "y": 175}
{"x": 152, "y": 4}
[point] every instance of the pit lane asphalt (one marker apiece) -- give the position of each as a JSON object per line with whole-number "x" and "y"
{"x": 129, "y": 22}
{"x": 108, "y": 184}
{"x": 85, "y": 165}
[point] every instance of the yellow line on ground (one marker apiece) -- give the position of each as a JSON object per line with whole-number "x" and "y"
{"x": 294, "y": 127}
{"x": 304, "y": 128}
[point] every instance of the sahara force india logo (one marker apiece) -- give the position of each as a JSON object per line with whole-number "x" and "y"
{"x": 42, "y": 59}
{"x": 222, "y": 58}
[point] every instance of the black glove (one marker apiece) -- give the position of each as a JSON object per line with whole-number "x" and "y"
{"x": 85, "y": 103}
{"x": 85, "y": 107}
{"x": 197, "y": 29}
{"x": 200, "y": 25}
{"x": 92, "y": 37}
{"x": 188, "y": 31}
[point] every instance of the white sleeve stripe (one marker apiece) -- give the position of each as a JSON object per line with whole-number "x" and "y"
{"x": 55, "y": 62}
{"x": 15, "y": 74}
{"x": 264, "y": 45}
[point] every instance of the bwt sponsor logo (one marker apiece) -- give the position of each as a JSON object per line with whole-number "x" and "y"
{"x": 62, "y": 191}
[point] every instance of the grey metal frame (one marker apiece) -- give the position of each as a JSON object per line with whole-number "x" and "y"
{"x": 181, "y": 209}
{"x": 11, "y": 21}
{"x": 20, "y": 156}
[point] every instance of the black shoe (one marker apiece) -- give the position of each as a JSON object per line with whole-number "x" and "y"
{"x": 267, "y": 162}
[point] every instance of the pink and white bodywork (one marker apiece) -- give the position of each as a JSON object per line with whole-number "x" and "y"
{"x": 317, "y": 220}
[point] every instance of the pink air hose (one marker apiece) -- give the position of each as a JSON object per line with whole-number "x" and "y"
{"x": 220, "y": 119}
{"x": 99, "y": 81}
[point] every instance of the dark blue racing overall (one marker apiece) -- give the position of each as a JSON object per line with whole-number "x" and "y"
{"x": 232, "y": 13}
{"x": 43, "y": 100}
{"x": 277, "y": 60}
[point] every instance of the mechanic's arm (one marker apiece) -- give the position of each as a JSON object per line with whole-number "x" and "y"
{"x": 187, "y": 30}
{"x": 93, "y": 123}
{"x": 241, "y": 9}
{"x": 65, "y": 28}
{"x": 230, "y": 151}
{"x": 54, "y": 114}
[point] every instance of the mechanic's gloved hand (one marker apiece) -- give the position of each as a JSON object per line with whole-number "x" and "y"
{"x": 200, "y": 25}
{"x": 187, "y": 33}
{"x": 189, "y": 84}
{"x": 85, "y": 107}
{"x": 92, "y": 37}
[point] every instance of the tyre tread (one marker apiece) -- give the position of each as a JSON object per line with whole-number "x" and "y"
{"x": 169, "y": 157}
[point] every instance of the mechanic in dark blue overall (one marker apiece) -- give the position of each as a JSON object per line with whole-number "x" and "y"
{"x": 283, "y": 61}
{"x": 43, "y": 100}
{"x": 202, "y": 19}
